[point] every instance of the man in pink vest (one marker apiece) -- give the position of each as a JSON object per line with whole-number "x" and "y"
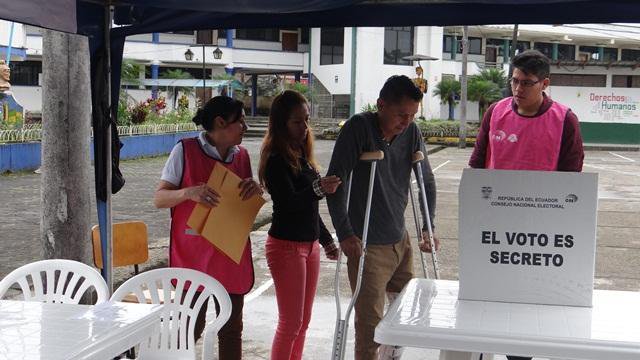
{"x": 529, "y": 131}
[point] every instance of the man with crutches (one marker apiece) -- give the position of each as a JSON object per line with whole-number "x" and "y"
{"x": 388, "y": 264}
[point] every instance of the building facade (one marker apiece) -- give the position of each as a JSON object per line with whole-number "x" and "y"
{"x": 594, "y": 66}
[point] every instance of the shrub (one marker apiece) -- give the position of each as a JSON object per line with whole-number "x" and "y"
{"x": 138, "y": 113}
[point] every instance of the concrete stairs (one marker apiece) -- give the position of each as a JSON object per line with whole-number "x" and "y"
{"x": 258, "y": 125}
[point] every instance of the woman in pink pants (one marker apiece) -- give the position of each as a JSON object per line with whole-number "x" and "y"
{"x": 290, "y": 174}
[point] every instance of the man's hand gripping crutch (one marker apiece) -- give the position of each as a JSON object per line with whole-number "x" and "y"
{"x": 353, "y": 247}
{"x": 428, "y": 242}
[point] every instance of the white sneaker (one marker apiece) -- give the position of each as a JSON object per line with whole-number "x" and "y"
{"x": 389, "y": 352}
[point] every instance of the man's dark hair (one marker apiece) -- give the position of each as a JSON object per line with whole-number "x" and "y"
{"x": 399, "y": 87}
{"x": 532, "y": 62}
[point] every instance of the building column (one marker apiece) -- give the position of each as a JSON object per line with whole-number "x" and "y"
{"x": 229, "y": 38}
{"x": 505, "y": 51}
{"x": 600, "y": 53}
{"x": 155, "y": 67}
{"x": 254, "y": 94}
{"x": 354, "y": 59}
{"x": 454, "y": 47}
{"x": 554, "y": 51}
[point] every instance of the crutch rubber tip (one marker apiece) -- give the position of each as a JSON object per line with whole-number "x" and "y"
{"x": 372, "y": 156}
{"x": 417, "y": 156}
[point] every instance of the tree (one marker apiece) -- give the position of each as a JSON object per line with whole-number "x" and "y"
{"x": 484, "y": 92}
{"x": 130, "y": 72}
{"x": 66, "y": 167}
{"x": 176, "y": 74}
{"x": 496, "y": 76}
{"x": 448, "y": 90}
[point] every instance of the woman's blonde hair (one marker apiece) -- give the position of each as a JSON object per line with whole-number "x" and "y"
{"x": 277, "y": 140}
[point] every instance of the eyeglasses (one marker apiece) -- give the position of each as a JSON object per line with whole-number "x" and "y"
{"x": 525, "y": 83}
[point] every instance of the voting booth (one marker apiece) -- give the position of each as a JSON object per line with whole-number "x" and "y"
{"x": 527, "y": 236}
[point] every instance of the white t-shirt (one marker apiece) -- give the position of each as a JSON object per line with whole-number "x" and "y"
{"x": 172, "y": 171}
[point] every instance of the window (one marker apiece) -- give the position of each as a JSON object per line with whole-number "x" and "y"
{"x": 626, "y": 81}
{"x": 475, "y": 44}
{"x": 398, "y": 43}
{"x": 545, "y": 48}
{"x": 566, "y": 52}
{"x": 204, "y": 37}
{"x": 589, "y": 53}
{"x": 497, "y": 43}
{"x": 331, "y": 46}
{"x": 304, "y": 35}
{"x": 522, "y": 46}
{"x": 25, "y": 72}
{"x": 269, "y": 34}
{"x": 578, "y": 80}
{"x": 610, "y": 54}
{"x": 630, "y": 55}
{"x": 222, "y": 33}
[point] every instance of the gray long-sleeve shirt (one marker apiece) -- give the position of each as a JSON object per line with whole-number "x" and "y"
{"x": 393, "y": 174}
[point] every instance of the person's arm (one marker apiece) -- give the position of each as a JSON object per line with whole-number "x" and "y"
{"x": 571, "y": 150}
{"x": 279, "y": 182}
{"x": 479, "y": 156}
{"x": 326, "y": 240}
{"x": 169, "y": 194}
{"x": 346, "y": 151}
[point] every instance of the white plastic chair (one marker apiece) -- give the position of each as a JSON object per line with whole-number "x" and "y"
{"x": 171, "y": 341}
{"x": 66, "y": 281}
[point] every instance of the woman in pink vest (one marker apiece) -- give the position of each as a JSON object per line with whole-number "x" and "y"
{"x": 288, "y": 170}
{"x": 183, "y": 184}
{"x": 529, "y": 131}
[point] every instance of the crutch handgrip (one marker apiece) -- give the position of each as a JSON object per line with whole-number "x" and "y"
{"x": 372, "y": 156}
{"x": 417, "y": 156}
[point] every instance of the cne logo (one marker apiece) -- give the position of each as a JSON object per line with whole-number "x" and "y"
{"x": 571, "y": 198}
{"x": 486, "y": 192}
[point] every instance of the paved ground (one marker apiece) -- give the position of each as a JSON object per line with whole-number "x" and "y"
{"x": 618, "y": 250}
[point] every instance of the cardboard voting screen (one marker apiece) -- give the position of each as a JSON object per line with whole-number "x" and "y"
{"x": 227, "y": 226}
{"x": 527, "y": 236}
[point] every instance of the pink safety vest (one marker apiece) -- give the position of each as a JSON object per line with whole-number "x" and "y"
{"x": 525, "y": 143}
{"x": 188, "y": 250}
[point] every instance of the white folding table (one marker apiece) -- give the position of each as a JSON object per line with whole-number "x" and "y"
{"x": 35, "y": 330}
{"x": 428, "y": 314}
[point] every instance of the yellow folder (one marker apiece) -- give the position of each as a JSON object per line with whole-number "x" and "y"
{"x": 227, "y": 226}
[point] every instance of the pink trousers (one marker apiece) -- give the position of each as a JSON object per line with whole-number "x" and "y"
{"x": 294, "y": 267}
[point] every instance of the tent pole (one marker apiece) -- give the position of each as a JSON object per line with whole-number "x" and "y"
{"x": 104, "y": 207}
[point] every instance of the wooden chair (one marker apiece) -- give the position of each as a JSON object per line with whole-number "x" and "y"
{"x": 130, "y": 244}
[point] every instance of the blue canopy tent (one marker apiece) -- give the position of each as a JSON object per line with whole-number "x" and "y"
{"x": 93, "y": 18}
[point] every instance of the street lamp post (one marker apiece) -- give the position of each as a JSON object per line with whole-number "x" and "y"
{"x": 204, "y": 77}
{"x": 217, "y": 54}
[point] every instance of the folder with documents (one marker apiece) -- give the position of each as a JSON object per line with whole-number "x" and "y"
{"x": 227, "y": 226}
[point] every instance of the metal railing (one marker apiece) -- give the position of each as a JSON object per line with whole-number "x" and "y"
{"x": 31, "y": 133}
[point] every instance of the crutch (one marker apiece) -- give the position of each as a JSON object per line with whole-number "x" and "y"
{"x": 418, "y": 156}
{"x": 340, "y": 334}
